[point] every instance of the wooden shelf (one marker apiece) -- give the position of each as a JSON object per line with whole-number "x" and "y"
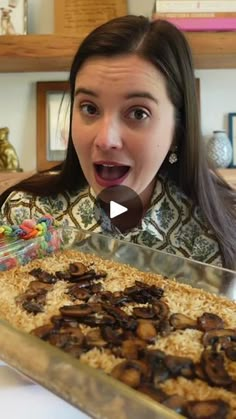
{"x": 213, "y": 49}
{"x": 21, "y": 53}
{"x": 229, "y": 175}
{"x": 11, "y": 178}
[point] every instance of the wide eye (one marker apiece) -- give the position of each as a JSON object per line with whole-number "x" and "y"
{"x": 138, "y": 114}
{"x": 88, "y": 109}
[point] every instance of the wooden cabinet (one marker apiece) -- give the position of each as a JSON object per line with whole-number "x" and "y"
{"x": 55, "y": 52}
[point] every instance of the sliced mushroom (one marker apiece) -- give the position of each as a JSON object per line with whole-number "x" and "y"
{"x": 160, "y": 373}
{"x": 95, "y": 339}
{"x": 164, "y": 327}
{"x": 81, "y": 283}
{"x": 96, "y": 288}
{"x": 77, "y": 269}
{"x": 88, "y": 277}
{"x": 138, "y": 294}
{"x": 154, "y": 356}
{"x": 213, "y": 336}
{"x": 161, "y": 310}
{"x": 131, "y": 347}
{"x": 65, "y": 276}
{"x": 79, "y": 310}
{"x": 106, "y": 296}
{"x": 79, "y": 293}
{"x": 100, "y": 296}
{"x": 119, "y": 314}
{"x": 144, "y": 312}
{"x": 209, "y": 321}
{"x": 119, "y": 298}
{"x": 175, "y": 402}
{"x": 155, "y": 393}
{"x": 146, "y": 330}
{"x": 199, "y": 371}
{"x": 59, "y": 321}
{"x": 33, "y": 307}
{"x": 29, "y": 296}
{"x": 231, "y": 352}
{"x": 98, "y": 319}
{"x": 129, "y": 372}
{"x": 68, "y": 336}
{"x": 101, "y": 274}
{"x": 43, "y": 332}
{"x": 37, "y": 286}
{"x": 209, "y": 409}
{"x": 156, "y": 360}
{"x": 179, "y": 365}
{"x": 213, "y": 366}
{"x": 153, "y": 290}
{"x": 43, "y": 276}
{"x": 75, "y": 334}
{"x": 74, "y": 350}
{"x": 232, "y": 387}
{"x": 180, "y": 321}
{"x": 111, "y": 335}
{"x": 58, "y": 339}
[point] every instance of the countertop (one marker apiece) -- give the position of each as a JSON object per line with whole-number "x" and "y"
{"x": 20, "y": 398}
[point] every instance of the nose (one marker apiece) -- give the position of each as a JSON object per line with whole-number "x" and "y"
{"x": 108, "y": 135}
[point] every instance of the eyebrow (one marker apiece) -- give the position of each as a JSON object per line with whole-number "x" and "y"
{"x": 132, "y": 95}
{"x": 142, "y": 95}
{"x": 85, "y": 91}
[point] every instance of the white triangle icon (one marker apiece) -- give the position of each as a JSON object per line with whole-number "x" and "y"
{"x": 116, "y": 209}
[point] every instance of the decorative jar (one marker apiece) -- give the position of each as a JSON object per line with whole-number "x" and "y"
{"x": 219, "y": 149}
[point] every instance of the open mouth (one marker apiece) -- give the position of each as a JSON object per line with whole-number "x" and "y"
{"x": 109, "y": 172}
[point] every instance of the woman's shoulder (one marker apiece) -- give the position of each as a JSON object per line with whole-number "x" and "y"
{"x": 21, "y": 205}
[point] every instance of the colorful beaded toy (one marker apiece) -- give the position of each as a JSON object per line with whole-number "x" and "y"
{"x": 14, "y": 248}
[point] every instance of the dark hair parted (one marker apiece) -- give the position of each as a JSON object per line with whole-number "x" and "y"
{"x": 162, "y": 44}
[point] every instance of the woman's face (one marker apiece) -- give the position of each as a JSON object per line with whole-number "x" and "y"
{"x": 123, "y": 122}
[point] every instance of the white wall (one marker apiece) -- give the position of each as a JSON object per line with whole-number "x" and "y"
{"x": 18, "y": 90}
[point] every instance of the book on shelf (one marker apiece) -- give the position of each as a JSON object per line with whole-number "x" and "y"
{"x": 178, "y": 15}
{"x": 194, "y": 6}
{"x": 193, "y": 24}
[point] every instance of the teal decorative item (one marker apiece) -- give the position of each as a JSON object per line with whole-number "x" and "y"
{"x": 219, "y": 149}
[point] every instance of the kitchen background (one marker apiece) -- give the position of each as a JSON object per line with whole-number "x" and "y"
{"x": 18, "y": 90}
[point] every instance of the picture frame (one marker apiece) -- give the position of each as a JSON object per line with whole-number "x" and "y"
{"x": 13, "y": 17}
{"x": 82, "y": 16}
{"x": 53, "y": 108}
{"x": 232, "y": 135}
{"x": 197, "y": 84}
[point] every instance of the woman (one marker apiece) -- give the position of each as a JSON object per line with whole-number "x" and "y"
{"x": 134, "y": 122}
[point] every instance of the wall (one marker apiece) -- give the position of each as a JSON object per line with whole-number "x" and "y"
{"x": 18, "y": 90}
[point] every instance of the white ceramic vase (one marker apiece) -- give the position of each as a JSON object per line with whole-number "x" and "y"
{"x": 219, "y": 149}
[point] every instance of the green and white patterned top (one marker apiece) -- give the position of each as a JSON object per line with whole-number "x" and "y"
{"x": 172, "y": 223}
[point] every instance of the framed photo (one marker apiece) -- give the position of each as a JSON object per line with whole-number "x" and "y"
{"x": 82, "y": 16}
{"x": 13, "y": 17}
{"x": 232, "y": 136}
{"x": 53, "y": 113}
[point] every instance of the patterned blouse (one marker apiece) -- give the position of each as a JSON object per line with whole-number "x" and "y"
{"x": 172, "y": 223}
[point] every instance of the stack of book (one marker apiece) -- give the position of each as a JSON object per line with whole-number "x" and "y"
{"x": 201, "y": 15}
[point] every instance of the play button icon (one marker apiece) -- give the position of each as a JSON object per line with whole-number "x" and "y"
{"x": 119, "y": 206}
{"x": 116, "y": 209}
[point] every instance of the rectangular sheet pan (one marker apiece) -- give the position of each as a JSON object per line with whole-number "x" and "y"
{"x": 92, "y": 391}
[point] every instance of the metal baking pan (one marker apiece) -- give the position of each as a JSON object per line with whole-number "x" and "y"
{"x": 92, "y": 391}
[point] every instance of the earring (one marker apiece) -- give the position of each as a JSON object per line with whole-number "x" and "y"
{"x": 173, "y": 158}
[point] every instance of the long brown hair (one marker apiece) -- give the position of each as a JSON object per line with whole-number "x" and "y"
{"x": 165, "y": 46}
